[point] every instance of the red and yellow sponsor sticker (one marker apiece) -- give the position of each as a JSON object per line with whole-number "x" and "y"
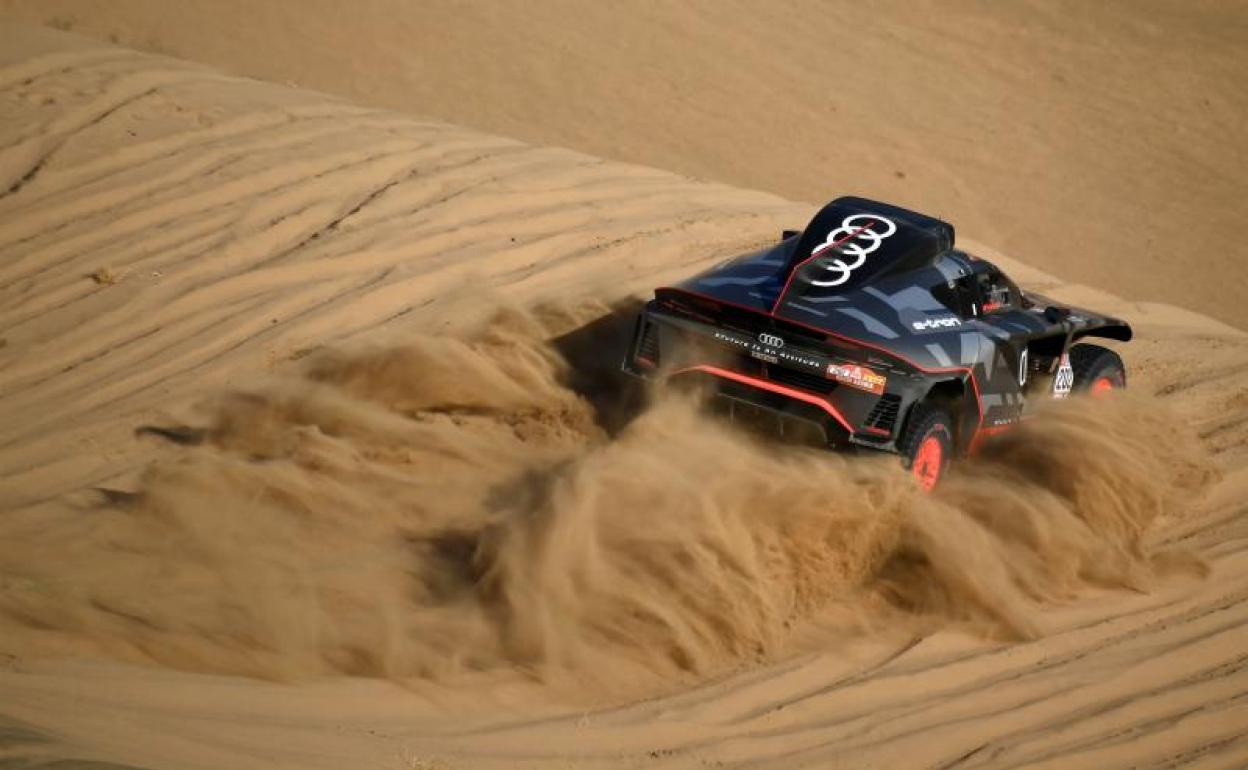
{"x": 858, "y": 377}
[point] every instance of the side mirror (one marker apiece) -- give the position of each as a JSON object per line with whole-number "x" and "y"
{"x": 1054, "y": 314}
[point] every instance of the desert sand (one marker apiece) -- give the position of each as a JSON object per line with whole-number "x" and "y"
{"x": 1101, "y": 142}
{"x": 256, "y": 515}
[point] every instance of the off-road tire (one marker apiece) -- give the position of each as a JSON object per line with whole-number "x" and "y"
{"x": 927, "y": 424}
{"x": 1093, "y": 366}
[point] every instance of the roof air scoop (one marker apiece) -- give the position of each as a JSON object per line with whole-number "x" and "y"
{"x": 846, "y": 248}
{"x": 852, "y": 241}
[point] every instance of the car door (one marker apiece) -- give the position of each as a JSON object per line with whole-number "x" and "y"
{"x": 1008, "y": 329}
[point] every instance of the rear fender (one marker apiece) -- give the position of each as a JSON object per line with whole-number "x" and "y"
{"x": 953, "y": 396}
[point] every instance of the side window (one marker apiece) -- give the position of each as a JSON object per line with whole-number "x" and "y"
{"x": 959, "y": 296}
{"x": 997, "y": 292}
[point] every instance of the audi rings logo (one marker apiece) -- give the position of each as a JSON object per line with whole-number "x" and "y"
{"x": 771, "y": 340}
{"x": 855, "y": 238}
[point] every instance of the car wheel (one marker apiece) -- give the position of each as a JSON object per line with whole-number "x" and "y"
{"x": 927, "y": 445}
{"x": 1097, "y": 370}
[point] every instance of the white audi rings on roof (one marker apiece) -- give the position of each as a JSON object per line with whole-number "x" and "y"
{"x": 851, "y": 240}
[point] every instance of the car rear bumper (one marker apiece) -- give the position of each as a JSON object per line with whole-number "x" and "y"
{"x": 791, "y": 389}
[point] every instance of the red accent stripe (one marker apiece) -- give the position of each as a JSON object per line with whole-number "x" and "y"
{"x": 983, "y": 434}
{"x": 745, "y": 379}
{"x": 813, "y": 255}
{"x": 938, "y": 370}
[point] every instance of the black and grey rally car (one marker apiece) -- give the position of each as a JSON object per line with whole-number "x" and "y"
{"x": 870, "y": 329}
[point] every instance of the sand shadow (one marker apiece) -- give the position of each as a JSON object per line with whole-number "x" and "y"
{"x": 23, "y": 747}
{"x": 594, "y": 353}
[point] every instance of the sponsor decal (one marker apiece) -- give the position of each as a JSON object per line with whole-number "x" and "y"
{"x": 1064, "y": 380}
{"x": 771, "y": 340}
{"x": 771, "y": 355}
{"x": 930, "y": 324}
{"x": 857, "y": 377}
{"x": 1022, "y": 368}
{"x": 855, "y": 238}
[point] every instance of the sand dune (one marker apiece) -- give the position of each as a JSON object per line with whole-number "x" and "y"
{"x": 291, "y": 288}
{"x": 1098, "y": 141}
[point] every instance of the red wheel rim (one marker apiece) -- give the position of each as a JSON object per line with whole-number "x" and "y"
{"x": 927, "y": 462}
{"x": 1102, "y": 385}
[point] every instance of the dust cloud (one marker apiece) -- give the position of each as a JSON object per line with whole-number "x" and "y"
{"x": 468, "y": 503}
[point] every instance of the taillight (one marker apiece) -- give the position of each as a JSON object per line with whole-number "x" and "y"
{"x": 648, "y": 346}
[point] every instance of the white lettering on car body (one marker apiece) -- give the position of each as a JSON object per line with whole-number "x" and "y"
{"x": 948, "y": 322}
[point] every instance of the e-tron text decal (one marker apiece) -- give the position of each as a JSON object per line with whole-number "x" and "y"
{"x": 842, "y": 240}
{"x": 948, "y": 322}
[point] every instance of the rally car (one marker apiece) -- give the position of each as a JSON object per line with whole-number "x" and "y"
{"x": 870, "y": 329}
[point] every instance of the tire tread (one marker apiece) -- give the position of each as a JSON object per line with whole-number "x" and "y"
{"x": 1090, "y": 362}
{"x": 923, "y": 418}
